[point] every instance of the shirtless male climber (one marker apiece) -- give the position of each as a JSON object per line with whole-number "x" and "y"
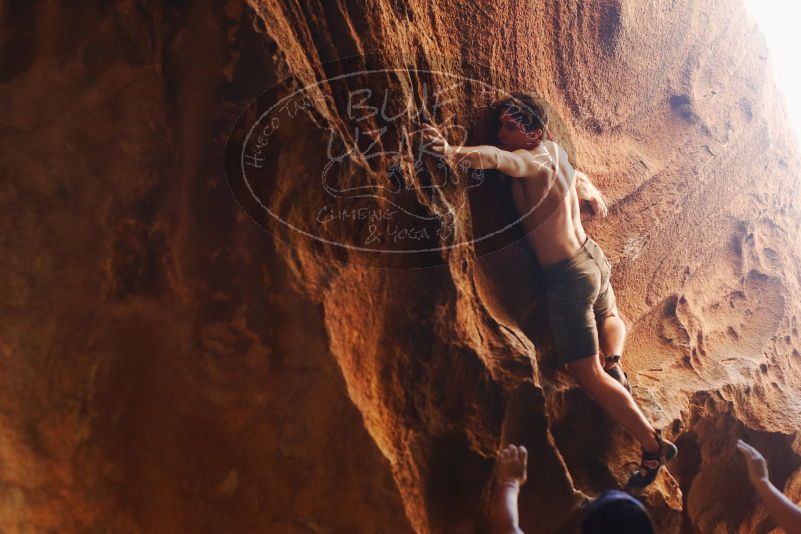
{"x": 580, "y": 301}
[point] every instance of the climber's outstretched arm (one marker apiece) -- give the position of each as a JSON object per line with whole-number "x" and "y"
{"x": 519, "y": 163}
{"x": 510, "y": 474}
{"x": 477, "y": 157}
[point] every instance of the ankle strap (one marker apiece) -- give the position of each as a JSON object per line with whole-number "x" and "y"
{"x": 657, "y": 454}
{"x": 658, "y": 436}
{"x": 612, "y": 359}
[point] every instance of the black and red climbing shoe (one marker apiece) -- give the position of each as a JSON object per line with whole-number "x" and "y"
{"x": 616, "y": 371}
{"x": 651, "y": 462}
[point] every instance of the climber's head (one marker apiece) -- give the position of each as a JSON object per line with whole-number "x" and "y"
{"x": 521, "y": 121}
{"x": 616, "y": 511}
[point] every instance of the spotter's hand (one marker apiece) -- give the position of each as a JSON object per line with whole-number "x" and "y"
{"x": 754, "y": 461}
{"x": 511, "y": 465}
{"x": 436, "y": 140}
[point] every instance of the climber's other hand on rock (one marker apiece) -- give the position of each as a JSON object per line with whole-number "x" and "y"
{"x": 595, "y": 199}
{"x": 598, "y": 205}
{"x": 511, "y": 465}
{"x": 587, "y": 191}
{"x": 436, "y": 140}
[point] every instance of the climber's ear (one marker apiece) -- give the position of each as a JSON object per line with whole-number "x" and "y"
{"x": 536, "y": 135}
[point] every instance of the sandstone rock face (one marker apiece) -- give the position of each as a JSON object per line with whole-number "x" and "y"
{"x": 169, "y": 366}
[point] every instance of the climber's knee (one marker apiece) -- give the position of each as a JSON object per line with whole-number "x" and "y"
{"x": 587, "y": 372}
{"x": 604, "y": 314}
{"x": 612, "y": 320}
{"x": 623, "y": 329}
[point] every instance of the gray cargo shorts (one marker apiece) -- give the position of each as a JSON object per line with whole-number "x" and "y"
{"x": 577, "y": 294}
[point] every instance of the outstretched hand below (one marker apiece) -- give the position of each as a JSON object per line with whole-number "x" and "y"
{"x": 511, "y": 465}
{"x": 754, "y": 461}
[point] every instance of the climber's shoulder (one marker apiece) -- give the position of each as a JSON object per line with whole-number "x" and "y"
{"x": 520, "y": 163}
{"x": 558, "y": 157}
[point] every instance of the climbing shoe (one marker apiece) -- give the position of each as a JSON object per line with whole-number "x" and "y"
{"x": 616, "y": 371}
{"x": 651, "y": 462}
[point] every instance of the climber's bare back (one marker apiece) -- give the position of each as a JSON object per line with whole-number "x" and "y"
{"x": 554, "y": 229}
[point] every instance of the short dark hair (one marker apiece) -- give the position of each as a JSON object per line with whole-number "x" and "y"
{"x": 527, "y": 108}
{"x": 618, "y": 512}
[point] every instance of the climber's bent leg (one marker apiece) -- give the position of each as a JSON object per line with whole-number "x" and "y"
{"x": 611, "y": 328}
{"x": 611, "y": 334}
{"x": 614, "y": 398}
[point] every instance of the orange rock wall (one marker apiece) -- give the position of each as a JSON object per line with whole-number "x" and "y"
{"x": 168, "y": 366}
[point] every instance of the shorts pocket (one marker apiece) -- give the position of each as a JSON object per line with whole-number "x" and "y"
{"x": 606, "y": 271}
{"x": 574, "y": 288}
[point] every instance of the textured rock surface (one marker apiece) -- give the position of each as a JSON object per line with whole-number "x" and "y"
{"x": 167, "y": 366}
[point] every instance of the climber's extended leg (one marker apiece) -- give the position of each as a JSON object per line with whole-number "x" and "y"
{"x": 580, "y": 302}
{"x": 614, "y": 398}
{"x": 611, "y": 328}
{"x": 579, "y": 296}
